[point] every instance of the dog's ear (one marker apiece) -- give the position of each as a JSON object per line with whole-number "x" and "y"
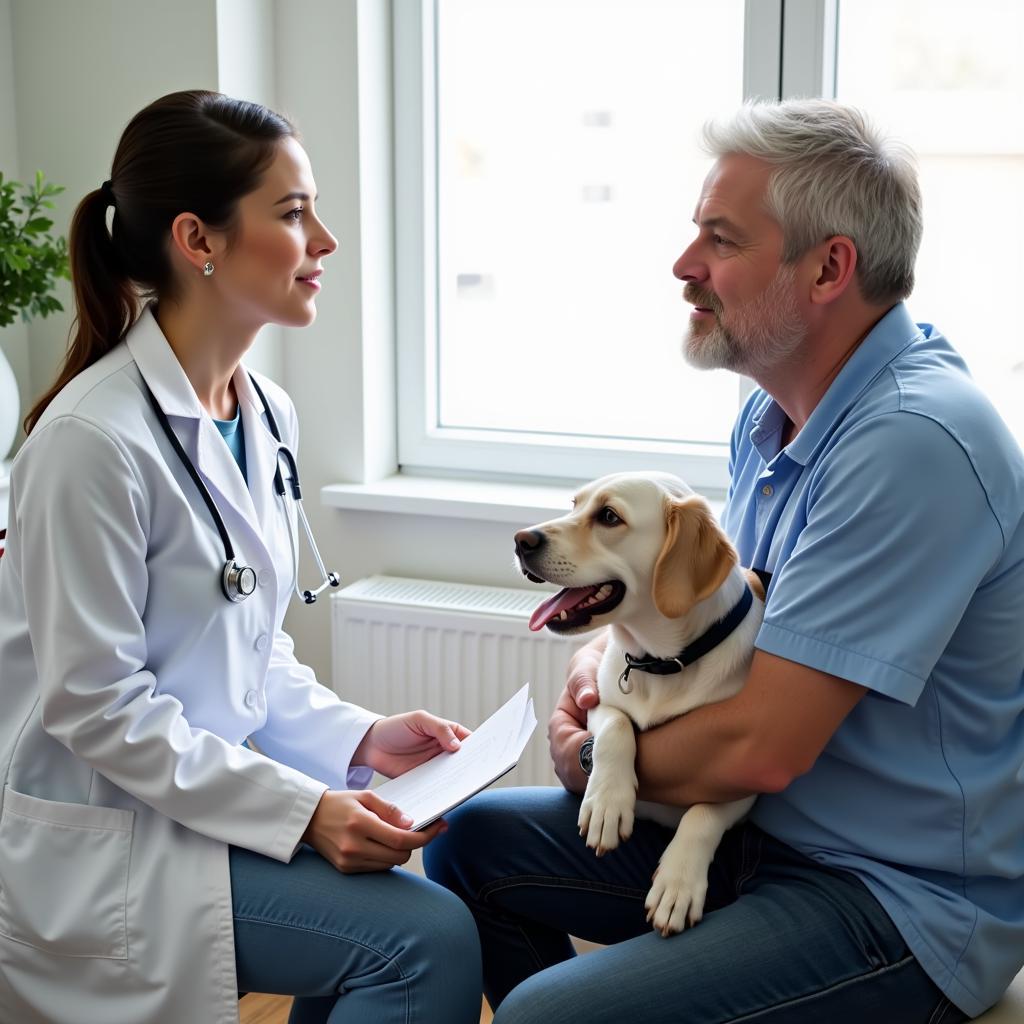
{"x": 695, "y": 559}
{"x": 755, "y": 584}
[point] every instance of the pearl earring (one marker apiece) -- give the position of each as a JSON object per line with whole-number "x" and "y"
{"x": 207, "y": 268}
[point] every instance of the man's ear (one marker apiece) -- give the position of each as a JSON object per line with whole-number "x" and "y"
{"x": 695, "y": 558}
{"x": 835, "y": 266}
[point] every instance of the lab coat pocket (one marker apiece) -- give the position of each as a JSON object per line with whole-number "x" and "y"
{"x": 64, "y": 876}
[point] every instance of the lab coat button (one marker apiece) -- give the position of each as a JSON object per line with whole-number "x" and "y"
{"x": 264, "y": 577}
{"x": 251, "y": 698}
{"x": 261, "y": 642}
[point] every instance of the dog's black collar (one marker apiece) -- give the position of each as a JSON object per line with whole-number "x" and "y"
{"x": 705, "y": 643}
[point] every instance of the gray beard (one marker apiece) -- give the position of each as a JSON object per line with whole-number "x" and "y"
{"x": 764, "y": 333}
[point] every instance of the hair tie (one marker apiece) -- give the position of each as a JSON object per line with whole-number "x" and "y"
{"x": 108, "y": 191}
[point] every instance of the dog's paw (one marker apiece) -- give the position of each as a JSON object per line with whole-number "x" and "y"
{"x": 606, "y": 817}
{"x": 676, "y": 898}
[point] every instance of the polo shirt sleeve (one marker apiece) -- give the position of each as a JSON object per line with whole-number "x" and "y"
{"x": 898, "y": 536}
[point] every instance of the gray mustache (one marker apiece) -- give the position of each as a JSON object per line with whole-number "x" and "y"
{"x": 698, "y": 297}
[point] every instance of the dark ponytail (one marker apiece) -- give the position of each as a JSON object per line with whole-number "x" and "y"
{"x": 197, "y": 152}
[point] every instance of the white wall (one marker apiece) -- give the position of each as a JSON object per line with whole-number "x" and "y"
{"x": 247, "y": 68}
{"x": 340, "y": 371}
{"x": 13, "y": 339}
{"x": 81, "y": 69}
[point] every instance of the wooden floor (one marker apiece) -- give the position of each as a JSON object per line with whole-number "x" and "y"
{"x": 260, "y": 1009}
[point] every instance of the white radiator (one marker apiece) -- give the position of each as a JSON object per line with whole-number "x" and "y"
{"x": 456, "y": 649}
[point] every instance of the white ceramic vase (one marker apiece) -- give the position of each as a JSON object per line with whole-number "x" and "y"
{"x": 9, "y": 407}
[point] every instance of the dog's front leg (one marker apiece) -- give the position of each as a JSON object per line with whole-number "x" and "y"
{"x": 680, "y": 884}
{"x": 606, "y": 815}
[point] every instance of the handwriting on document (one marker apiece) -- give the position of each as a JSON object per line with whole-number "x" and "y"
{"x": 428, "y": 791}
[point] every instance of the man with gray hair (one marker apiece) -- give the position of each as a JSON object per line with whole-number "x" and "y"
{"x": 881, "y": 873}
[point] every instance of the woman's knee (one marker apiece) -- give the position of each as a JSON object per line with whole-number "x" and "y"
{"x": 440, "y": 950}
{"x": 447, "y": 928}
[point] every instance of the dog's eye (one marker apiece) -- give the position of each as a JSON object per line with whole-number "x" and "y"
{"x": 608, "y": 517}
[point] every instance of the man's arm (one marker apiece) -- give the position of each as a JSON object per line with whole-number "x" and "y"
{"x": 756, "y": 742}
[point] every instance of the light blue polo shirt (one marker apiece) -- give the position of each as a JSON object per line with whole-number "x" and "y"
{"x": 894, "y": 527}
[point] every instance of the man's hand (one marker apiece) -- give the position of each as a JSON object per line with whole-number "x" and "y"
{"x": 393, "y": 745}
{"x": 357, "y": 831}
{"x": 567, "y": 728}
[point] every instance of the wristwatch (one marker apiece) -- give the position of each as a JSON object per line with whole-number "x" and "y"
{"x": 587, "y": 756}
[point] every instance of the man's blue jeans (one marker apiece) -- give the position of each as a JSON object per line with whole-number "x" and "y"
{"x": 784, "y": 940}
{"x": 382, "y": 948}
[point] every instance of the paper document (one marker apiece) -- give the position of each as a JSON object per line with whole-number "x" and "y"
{"x": 427, "y": 792}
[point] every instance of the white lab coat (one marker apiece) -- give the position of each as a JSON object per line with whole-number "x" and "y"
{"x": 127, "y": 684}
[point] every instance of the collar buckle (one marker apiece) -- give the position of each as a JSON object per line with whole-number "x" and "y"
{"x": 704, "y": 644}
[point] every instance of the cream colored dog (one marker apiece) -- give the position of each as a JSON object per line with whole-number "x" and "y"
{"x": 643, "y": 554}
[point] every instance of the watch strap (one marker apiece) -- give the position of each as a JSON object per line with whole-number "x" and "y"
{"x": 587, "y": 756}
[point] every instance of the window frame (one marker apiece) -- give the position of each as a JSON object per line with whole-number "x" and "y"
{"x": 789, "y": 50}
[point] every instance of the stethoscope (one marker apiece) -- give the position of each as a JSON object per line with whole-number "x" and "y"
{"x": 239, "y": 581}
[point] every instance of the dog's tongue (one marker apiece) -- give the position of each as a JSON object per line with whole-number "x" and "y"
{"x": 554, "y": 606}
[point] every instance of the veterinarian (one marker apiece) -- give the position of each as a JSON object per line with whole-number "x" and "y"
{"x": 880, "y": 876}
{"x": 151, "y": 865}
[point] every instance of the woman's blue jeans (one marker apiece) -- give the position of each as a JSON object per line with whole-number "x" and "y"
{"x": 382, "y": 948}
{"x": 784, "y": 940}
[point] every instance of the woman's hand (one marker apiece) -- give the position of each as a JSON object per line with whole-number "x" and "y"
{"x": 393, "y": 745}
{"x": 357, "y": 831}
{"x": 567, "y": 728}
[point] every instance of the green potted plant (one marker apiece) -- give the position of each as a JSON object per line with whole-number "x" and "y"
{"x": 31, "y": 260}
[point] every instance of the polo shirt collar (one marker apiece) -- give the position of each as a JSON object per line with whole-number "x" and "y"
{"x": 884, "y": 342}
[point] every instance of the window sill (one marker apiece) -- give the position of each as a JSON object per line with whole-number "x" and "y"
{"x": 497, "y": 501}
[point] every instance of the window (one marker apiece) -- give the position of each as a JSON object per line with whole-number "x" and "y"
{"x": 567, "y": 174}
{"x": 953, "y": 89}
{"x": 540, "y": 326}
{"x": 547, "y": 168}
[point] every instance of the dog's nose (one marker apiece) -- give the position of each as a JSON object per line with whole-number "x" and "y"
{"x": 528, "y": 541}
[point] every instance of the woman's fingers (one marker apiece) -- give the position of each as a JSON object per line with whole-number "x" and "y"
{"x": 445, "y": 734}
{"x": 383, "y": 809}
{"x": 378, "y": 846}
{"x": 377, "y": 857}
{"x": 389, "y": 827}
{"x": 448, "y": 734}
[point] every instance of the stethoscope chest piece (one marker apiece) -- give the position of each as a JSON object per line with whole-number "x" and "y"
{"x": 237, "y": 581}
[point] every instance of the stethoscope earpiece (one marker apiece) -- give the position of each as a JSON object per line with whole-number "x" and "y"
{"x": 330, "y": 579}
